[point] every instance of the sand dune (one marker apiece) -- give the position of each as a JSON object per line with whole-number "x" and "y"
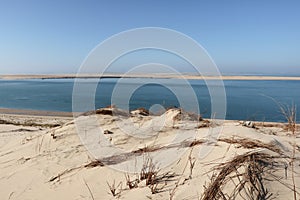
{"x": 46, "y": 159}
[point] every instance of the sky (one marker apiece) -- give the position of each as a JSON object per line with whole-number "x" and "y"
{"x": 242, "y": 37}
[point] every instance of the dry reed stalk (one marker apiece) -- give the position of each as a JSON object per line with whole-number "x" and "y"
{"x": 251, "y": 144}
{"x": 173, "y": 191}
{"x": 192, "y": 162}
{"x": 89, "y": 189}
{"x": 289, "y": 113}
{"x": 92, "y": 164}
{"x": 114, "y": 188}
{"x": 67, "y": 171}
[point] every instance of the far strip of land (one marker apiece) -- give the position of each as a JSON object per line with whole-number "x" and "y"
{"x": 10, "y": 111}
{"x": 166, "y": 76}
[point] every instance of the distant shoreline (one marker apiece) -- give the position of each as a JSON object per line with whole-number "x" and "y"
{"x": 69, "y": 115}
{"x": 41, "y": 113}
{"x": 158, "y": 76}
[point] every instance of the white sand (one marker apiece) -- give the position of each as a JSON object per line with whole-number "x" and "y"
{"x": 30, "y": 156}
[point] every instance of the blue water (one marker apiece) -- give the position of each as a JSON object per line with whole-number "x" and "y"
{"x": 246, "y": 100}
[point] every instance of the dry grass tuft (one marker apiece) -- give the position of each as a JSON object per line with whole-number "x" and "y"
{"x": 290, "y": 112}
{"x": 248, "y": 169}
{"x": 149, "y": 171}
{"x": 143, "y": 111}
{"x": 251, "y": 144}
{"x": 131, "y": 183}
{"x": 155, "y": 181}
{"x": 115, "y": 190}
{"x": 204, "y": 124}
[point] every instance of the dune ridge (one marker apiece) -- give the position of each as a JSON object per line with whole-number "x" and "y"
{"x": 45, "y": 162}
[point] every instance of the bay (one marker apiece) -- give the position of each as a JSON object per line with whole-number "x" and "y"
{"x": 245, "y": 100}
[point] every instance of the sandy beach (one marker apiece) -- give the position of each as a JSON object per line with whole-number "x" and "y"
{"x": 43, "y": 157}
{"x": 183, "y": 76}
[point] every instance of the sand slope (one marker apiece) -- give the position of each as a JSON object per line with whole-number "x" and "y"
{"x": 50, "y": 162}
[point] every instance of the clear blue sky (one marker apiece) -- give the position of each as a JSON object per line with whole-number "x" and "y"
{"x": 254, "y": 36}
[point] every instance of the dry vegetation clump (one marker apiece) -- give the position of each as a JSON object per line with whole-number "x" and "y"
{"x": 94, "y": 163}
{"x": 131, "y": 183}
{"x": 143, "y": 111}
{"x": 109, "y": 110}
{"x": 204, "y": 124}
{"x": 269, "y": 124}
{"x": 250, "y": 144}
{"x": 107, "y": 132}
{"x": 104, "y": 112}
{"x": 189, "y": 116}
{"x": 289, "y": 113}
{"x": 29, "y": 123}
{"x": 248, "y": 172}
{"x": 193, "y": 143}
{"x": 147, "y": 149}
{"x": 183, "y": 144}
{"x": 88, "y": 113}
{"x": 150, "y": 174}
{"x": 114, "y": 189}
{"x": 149, "y": 171}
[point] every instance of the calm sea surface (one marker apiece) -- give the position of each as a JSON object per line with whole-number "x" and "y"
{"x": 246, "y": 100}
